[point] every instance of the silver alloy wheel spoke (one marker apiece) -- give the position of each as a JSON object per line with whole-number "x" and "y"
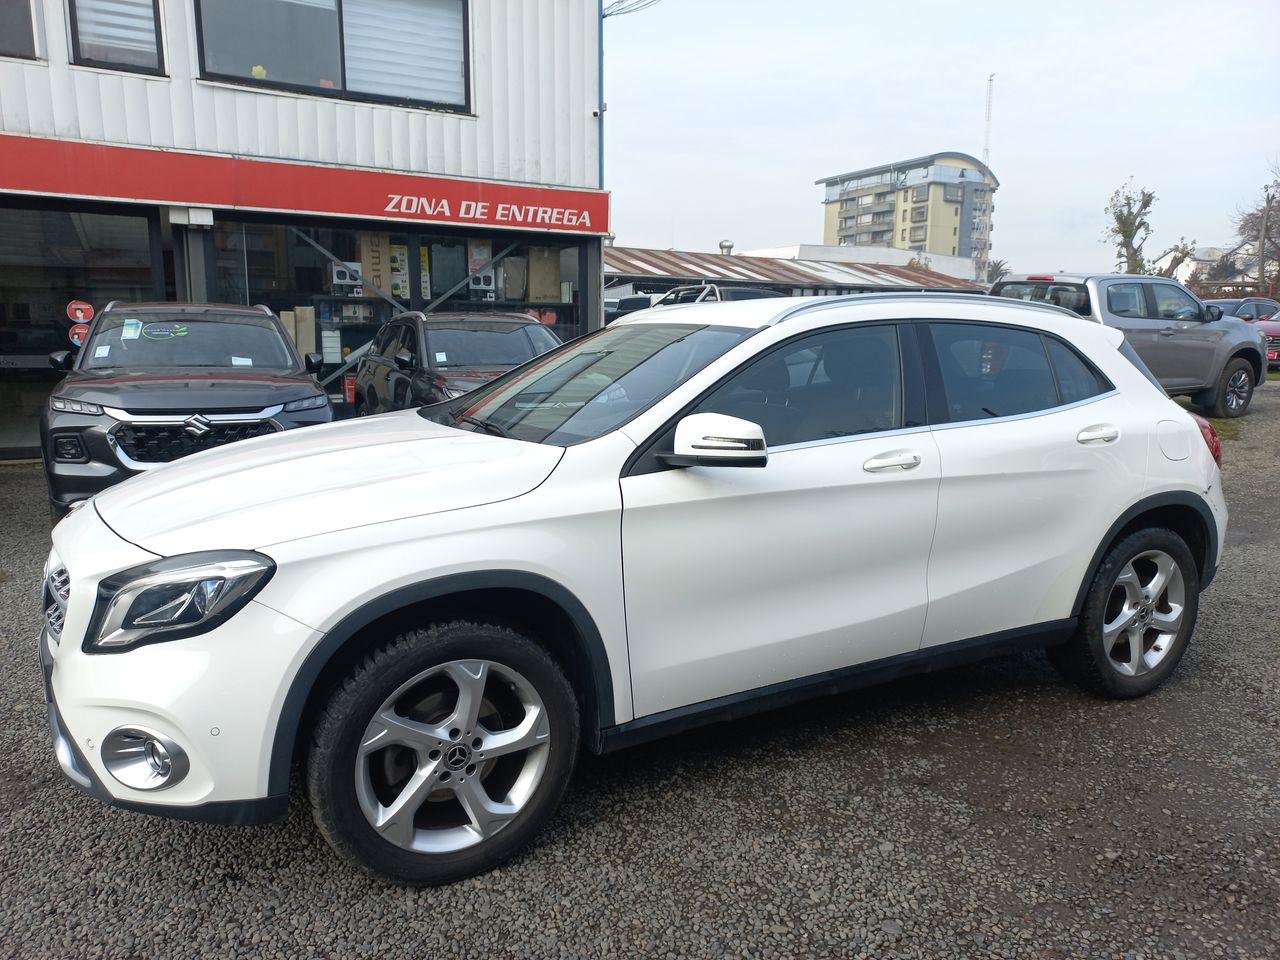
{"x": 532, "y": 731}
{"x": 1118, "y": 630}
{"x": 1165, "y": 569}
{"x": 1130, "y": 583}
{"x": 396, "y": 821}
{"x": 1170, "y": 622}
{"x": 471, "y": 676}
{"x": 388, "y": 728}
{"x": 487, "y": 816}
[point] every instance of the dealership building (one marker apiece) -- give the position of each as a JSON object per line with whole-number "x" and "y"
{"x": 336, "y": 160}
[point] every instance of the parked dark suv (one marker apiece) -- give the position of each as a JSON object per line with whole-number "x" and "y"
{"x": 1191, "y": 347}
{"x": 155, "y": 382}
{"x": 418, "y": 359}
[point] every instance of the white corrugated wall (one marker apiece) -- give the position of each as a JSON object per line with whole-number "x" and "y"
{"x": 534, "y": 86}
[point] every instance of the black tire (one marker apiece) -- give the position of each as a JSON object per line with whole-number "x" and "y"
{"x": 331, "y": 765}
{"x": 1084, "y": 659}
{"x": 1223, "y": 399}
{"x": 361, "y": 409}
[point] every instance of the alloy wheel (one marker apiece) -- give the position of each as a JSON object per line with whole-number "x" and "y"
{"x": 452, "y": 756}
{"x": 1144, "y": 613}
{"x": 1238, "y": 390}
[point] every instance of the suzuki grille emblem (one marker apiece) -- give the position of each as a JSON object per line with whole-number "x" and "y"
{"x": 197, "y": 425}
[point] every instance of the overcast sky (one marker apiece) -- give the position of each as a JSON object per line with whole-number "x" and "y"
{"x": 722, "y": 113}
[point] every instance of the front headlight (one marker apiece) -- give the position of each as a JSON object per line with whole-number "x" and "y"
{"x": 174, "y": 598}
{"x": 64, "y": 405}
{"x": 310, "y": 403}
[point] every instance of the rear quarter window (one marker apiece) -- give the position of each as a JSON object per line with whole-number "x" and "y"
{"x": 1073, "y": 296}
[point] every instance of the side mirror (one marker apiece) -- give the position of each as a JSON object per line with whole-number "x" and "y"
{"x": 61, "y": 359}
{"x": 404, "y": 360}
{"x": 313, "y": 362}
{"x": 716, "y": 440}
{"x": 1212, "y": 312}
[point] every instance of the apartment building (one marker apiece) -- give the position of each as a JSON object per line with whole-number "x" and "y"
{"x": 940, "y": 204}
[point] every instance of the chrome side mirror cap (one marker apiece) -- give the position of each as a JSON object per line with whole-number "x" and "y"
{"x": 716, "y": 440}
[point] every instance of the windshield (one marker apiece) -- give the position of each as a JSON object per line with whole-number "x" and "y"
{"x": 1073, "y": 296}
{"x": 481, "y": 343}
{"x": 597, "y": 382}
{"x": 235, "y": 341}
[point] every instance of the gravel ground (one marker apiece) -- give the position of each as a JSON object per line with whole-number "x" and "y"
{"x": 990, "y": 811}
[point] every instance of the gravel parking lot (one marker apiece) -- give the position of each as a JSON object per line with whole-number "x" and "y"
{"x": 987, "y": 811}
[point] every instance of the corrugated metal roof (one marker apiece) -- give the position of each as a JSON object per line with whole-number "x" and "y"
{"x": 636, "y": 263}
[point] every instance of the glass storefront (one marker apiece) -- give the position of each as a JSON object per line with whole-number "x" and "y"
{"x": 47, "y": 259}
{"x": 322, "y": 281}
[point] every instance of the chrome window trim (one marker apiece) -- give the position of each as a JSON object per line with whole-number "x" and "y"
{"x": 1030, "y": 414}
{"x": 828, "y": 441}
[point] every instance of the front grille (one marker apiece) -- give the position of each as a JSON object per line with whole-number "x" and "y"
{"x": 60, "y": 581}
{"x": 56, "y": 619}
{"x": 1273, "y": 341}
{"x": 164, "y": 443}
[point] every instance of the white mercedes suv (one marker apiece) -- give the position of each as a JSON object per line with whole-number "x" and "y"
{"x": 692, "y": 514}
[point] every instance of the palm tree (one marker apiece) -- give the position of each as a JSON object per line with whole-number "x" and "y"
{"x": 997, "y": 270}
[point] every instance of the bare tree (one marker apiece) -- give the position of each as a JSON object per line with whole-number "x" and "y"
{"x": 1128, "y": 227}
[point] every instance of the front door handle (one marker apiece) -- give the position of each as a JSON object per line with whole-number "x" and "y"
{"x": 1168, "y": 331}
{"x": 893, "y": 460}
{"x": 1098, "y": 433}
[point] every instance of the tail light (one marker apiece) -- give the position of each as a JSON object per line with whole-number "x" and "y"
{"x": 349, "y": 387}
{"x": 1211, "y": 438}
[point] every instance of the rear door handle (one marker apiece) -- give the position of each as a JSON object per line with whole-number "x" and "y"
{"x": 1168, "y": 332}
{"x": 893, "y": 460}
{"x": 1098, "y": 433}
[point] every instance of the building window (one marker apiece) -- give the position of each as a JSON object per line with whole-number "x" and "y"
{"x": 17, "y": 30}
{"x": 920, "y": 194}
{"x": 398, "y": 51}
{"x": 904, "y": 236}
{"x": 917, "y": 234}
{"x": 117, "y": 34}
{"x": 919, "y": 214}
{"x": 904, "y": 214}
{"x": 955, "y": 231}
{"x": 953, "y": 192}
{"x": 953, "y": 251}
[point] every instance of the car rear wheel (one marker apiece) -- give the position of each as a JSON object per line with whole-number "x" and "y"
{"x": 1137, "y": 618}
{"x": 1233, "y": 392}
{"x": 443, "y": 754}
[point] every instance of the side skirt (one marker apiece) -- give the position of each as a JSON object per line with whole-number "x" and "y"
{"x": 738, "y": 705}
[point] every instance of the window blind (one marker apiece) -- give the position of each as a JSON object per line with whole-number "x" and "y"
{"x": 117, "y": 31}
{"x": 410, "y": 49}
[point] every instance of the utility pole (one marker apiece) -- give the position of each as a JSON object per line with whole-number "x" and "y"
{"x": 986, "y": 134}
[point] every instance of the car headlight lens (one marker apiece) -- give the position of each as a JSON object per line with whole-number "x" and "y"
{"x": 64, "y": 405}
{"x": 174, "y": 598}
{"x": 310, "y": 403}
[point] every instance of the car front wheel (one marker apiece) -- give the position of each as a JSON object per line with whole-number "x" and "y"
{"x": 443, "y": 753}
{"x": 1137, "y": 618}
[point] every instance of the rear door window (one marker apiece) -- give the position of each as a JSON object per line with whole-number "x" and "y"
{"x": 1126, "y": 300}
{"x": 990, "y": 371}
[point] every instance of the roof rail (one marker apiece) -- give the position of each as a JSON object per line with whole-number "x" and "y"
{"x": 112, "y": 305}
{"x": 264, "y": 308}
{"x": 822, "y": 303}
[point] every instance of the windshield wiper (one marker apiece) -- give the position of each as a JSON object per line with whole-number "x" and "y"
{"x": 487, "y": 426}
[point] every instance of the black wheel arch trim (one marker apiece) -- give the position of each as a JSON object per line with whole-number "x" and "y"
{"x": 1175, "y": 498}
{"x": 592, "y": 649}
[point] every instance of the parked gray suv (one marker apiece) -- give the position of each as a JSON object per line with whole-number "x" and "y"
{"x": 1191, "y": 347}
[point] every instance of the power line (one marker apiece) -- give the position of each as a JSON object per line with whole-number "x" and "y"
{"x": 618, "y": 7}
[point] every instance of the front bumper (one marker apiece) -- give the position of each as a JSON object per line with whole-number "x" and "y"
{"x": 218, "y": 695}
{"x": 76, "y": 768}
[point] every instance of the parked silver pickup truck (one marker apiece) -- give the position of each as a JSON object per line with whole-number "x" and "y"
{"x": 1192, "y": 349}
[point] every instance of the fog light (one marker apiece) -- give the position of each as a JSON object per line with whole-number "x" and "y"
{"x": 68, "y": 449}
{"x": 143, "y": 759}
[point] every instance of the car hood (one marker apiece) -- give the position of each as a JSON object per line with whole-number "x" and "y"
{"x": 469, "y": 379}
{"x": 183, "y": 389}
{"x": 1270, "y": 327}
{"x": 320, "y": 479}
